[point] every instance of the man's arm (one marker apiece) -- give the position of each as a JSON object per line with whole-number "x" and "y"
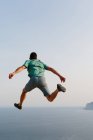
{"x": 19, "y": 69}
{"x": 55, "y": 72}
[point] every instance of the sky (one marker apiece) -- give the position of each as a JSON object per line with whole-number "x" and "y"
{"x": 61, "y": 33}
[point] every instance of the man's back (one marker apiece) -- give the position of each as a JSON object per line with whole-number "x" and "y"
{"x": 35, "y": 67}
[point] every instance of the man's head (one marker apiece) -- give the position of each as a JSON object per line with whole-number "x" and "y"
{"x": 33, "y": 55}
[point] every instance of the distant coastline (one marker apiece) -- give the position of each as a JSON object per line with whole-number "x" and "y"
{"x": 89, "y": 106}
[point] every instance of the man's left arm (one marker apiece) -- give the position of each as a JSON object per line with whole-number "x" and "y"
{"x": 19, "y": 69}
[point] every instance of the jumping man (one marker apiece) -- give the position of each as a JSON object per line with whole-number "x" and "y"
{"x": 36, "y": 69}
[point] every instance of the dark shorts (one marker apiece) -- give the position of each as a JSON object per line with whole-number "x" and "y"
{"x": 37, "y": 82}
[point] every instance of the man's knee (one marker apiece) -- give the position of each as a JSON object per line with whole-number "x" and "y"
{"x": 24, "y": 91}
{"x": 49, "y": 98}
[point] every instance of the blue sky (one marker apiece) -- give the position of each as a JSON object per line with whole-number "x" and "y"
{"x": 61, "y": 33}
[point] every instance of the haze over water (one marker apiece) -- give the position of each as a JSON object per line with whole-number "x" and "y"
{"x": 46, "y": 124}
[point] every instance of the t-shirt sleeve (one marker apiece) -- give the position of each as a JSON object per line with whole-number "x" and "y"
{"x": 26, "y": 63}
{"x": 45, "y": 66}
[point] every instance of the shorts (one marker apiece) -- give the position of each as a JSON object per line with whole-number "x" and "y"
{"x": 37, "y": 82}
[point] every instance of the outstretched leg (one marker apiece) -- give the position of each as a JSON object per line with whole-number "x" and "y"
{"x": 22, "y": 98}
{"x": 32, "y": 83}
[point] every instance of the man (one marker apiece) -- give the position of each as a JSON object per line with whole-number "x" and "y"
{"x": 36, "y": 70}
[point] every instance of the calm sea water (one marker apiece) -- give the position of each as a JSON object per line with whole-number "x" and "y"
{"x": 46, "y": 124}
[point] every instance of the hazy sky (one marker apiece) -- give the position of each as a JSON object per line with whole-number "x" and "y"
{"x": 61, "y": 32}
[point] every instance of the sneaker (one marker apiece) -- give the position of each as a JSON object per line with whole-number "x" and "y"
{"x": 61, "y": 88}
{"x": 17, "y": 106}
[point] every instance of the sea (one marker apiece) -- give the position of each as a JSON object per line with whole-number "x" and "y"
{"x": 46, "y": 123}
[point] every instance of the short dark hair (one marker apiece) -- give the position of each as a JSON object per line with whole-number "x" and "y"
{"x": 33, "y": 55}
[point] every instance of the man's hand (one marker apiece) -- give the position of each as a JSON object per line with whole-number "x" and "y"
{"x": 55, "y": 72}
{"x": 19, "y": 69}
{"x": 11, "y": 75}
{"x": 62, "y": 78}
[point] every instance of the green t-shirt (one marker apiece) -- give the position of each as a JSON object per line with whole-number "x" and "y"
{"x": 35, "y": 67}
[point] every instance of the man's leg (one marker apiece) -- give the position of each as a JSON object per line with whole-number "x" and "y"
{"x": 52, "y": 96}
{"x": 42, "y": 85}
{"x": 22, "y": 98}
{"x": 29, "y": 86}
{"x": 55, "y": 93}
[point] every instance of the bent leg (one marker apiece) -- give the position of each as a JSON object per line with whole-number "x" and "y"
{"x": 52, "y": 96}
{"x": 42, "y": 85}
{"x": 44, "y": 88}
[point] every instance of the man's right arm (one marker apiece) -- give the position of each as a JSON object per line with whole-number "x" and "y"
{"x": 55, "y": 72}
